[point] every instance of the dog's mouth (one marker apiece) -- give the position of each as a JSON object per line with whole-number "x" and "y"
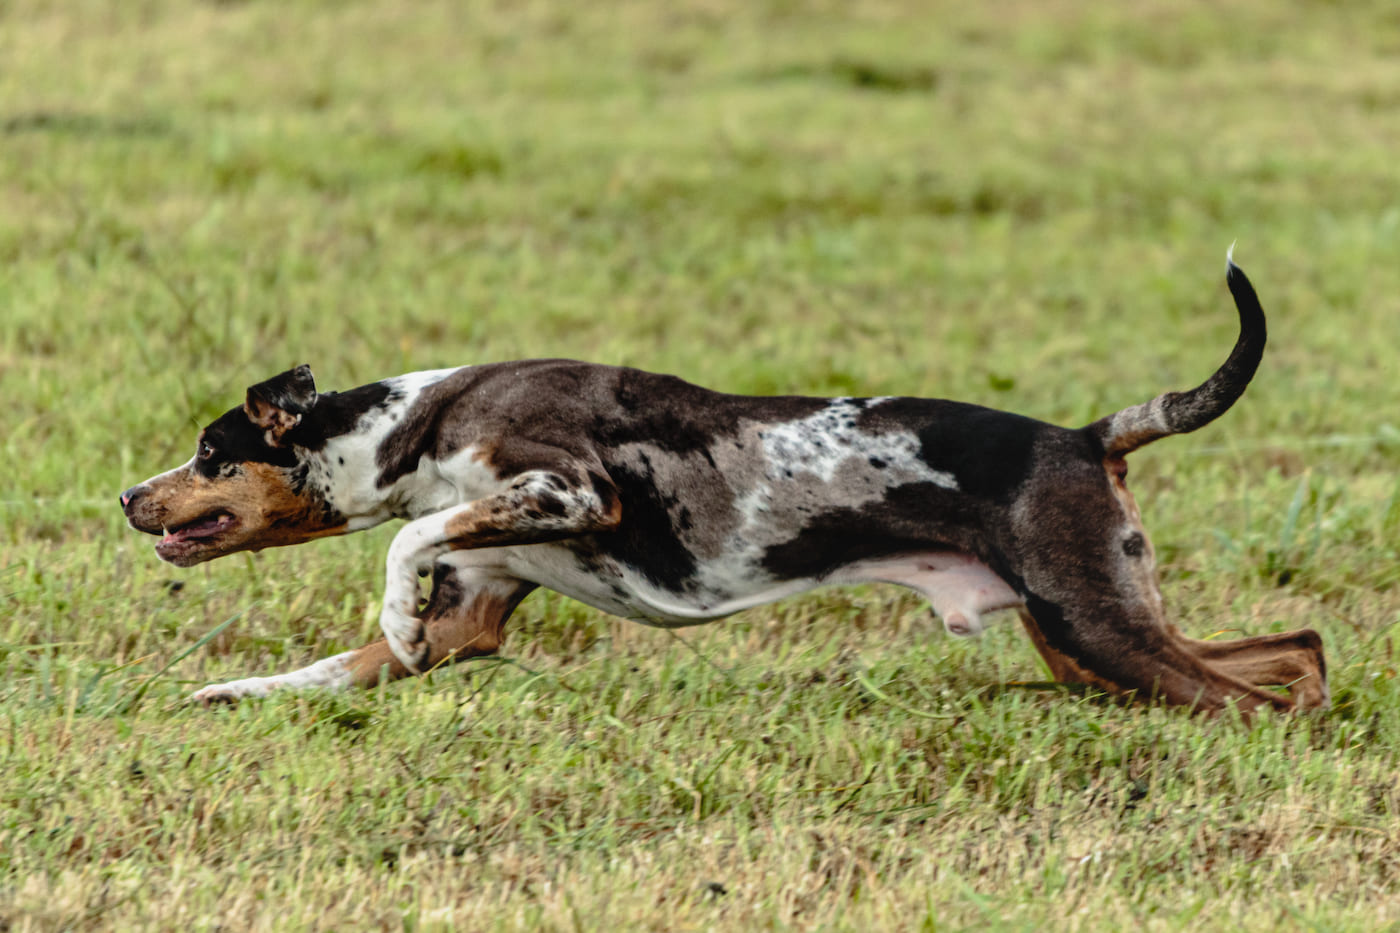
{"x": 185, "y": 540}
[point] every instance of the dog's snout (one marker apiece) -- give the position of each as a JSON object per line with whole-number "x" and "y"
{"x": 140, "y": 506}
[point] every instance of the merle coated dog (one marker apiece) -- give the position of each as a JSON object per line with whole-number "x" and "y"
{"x": 656, "y": 500}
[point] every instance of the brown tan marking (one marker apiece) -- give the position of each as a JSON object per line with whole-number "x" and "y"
{"x": 1288, "y": 659}
{"x": 271, "y": 419}
{"x": 266, "y": 512}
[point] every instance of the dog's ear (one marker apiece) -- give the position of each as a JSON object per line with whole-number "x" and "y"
{"x": 278, "y": 404}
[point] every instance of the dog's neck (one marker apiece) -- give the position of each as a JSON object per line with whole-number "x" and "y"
{"x": 346, "y": 473}
{"x": 349, "y": 467}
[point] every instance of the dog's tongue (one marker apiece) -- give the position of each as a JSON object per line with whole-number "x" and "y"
{"x": 200, "y": 529}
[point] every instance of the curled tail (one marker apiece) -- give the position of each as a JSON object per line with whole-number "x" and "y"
{"x": 1183, "y": 412}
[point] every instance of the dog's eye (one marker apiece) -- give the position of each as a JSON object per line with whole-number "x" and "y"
{"x": 205, "y": 451}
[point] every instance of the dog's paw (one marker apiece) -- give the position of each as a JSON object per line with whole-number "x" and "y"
{"x": 406, "y": 637}
{"x": 230, "y": 693}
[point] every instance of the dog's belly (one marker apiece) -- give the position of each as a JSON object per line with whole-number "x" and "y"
{"x": 960, "y": 587}
{"x": 622, "y": 590}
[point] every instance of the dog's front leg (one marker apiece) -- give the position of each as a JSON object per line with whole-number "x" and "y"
{"x": 333, "y": 673}
{"x": 465, "y": 617}
{"x": 410, "y": 555}
{"x": 538, "y": 506}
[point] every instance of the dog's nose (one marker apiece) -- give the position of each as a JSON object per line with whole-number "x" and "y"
{"x": 129, "y": 496}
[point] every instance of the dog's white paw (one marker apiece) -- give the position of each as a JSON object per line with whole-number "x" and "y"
{"x": 398, "y": 619}
{"x": 234, "y": 690}
{"x": 404, "y": 633}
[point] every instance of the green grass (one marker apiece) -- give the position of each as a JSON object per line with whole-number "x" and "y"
{"x": 1024, "y": 205}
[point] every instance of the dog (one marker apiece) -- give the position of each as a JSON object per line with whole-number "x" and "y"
{"x": 657, "y": 500}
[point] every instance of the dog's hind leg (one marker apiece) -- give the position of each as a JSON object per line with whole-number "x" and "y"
{"x": 1288, "y": 659}
{"x": 1293, "y": 660}
{"x": 1062, "y": 667}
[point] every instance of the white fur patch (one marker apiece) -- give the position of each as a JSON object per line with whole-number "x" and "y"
{"x": 822, "y": 442}
{"x": 413, "y": 550}
{"x": 349, "y": 471}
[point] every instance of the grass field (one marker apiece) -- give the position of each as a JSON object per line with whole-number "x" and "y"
{"x": 1023, "y": 204}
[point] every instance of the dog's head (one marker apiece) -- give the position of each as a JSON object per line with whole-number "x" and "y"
{"x": 251, "y": 484}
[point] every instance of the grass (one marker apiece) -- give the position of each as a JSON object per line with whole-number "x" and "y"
{"x": 1024, "y": 205}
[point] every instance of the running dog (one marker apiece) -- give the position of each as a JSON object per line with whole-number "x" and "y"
{"x": 656, "y": 500}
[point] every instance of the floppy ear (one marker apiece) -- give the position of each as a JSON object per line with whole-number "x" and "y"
{"x": 277, "y": 405}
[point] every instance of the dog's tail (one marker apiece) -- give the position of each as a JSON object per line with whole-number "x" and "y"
{"x": 1183, "y": 412}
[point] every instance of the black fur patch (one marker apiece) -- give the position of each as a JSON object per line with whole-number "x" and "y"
{"x": 911, "y": 518}
{"x": 338, "y": 413}
{"x": 987, "y": 452}
{"x": 673, "y": 415}
{"x": 235, "y": 439}
{"x": 646, "y": 539}
{"x": 550, "y": 505}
